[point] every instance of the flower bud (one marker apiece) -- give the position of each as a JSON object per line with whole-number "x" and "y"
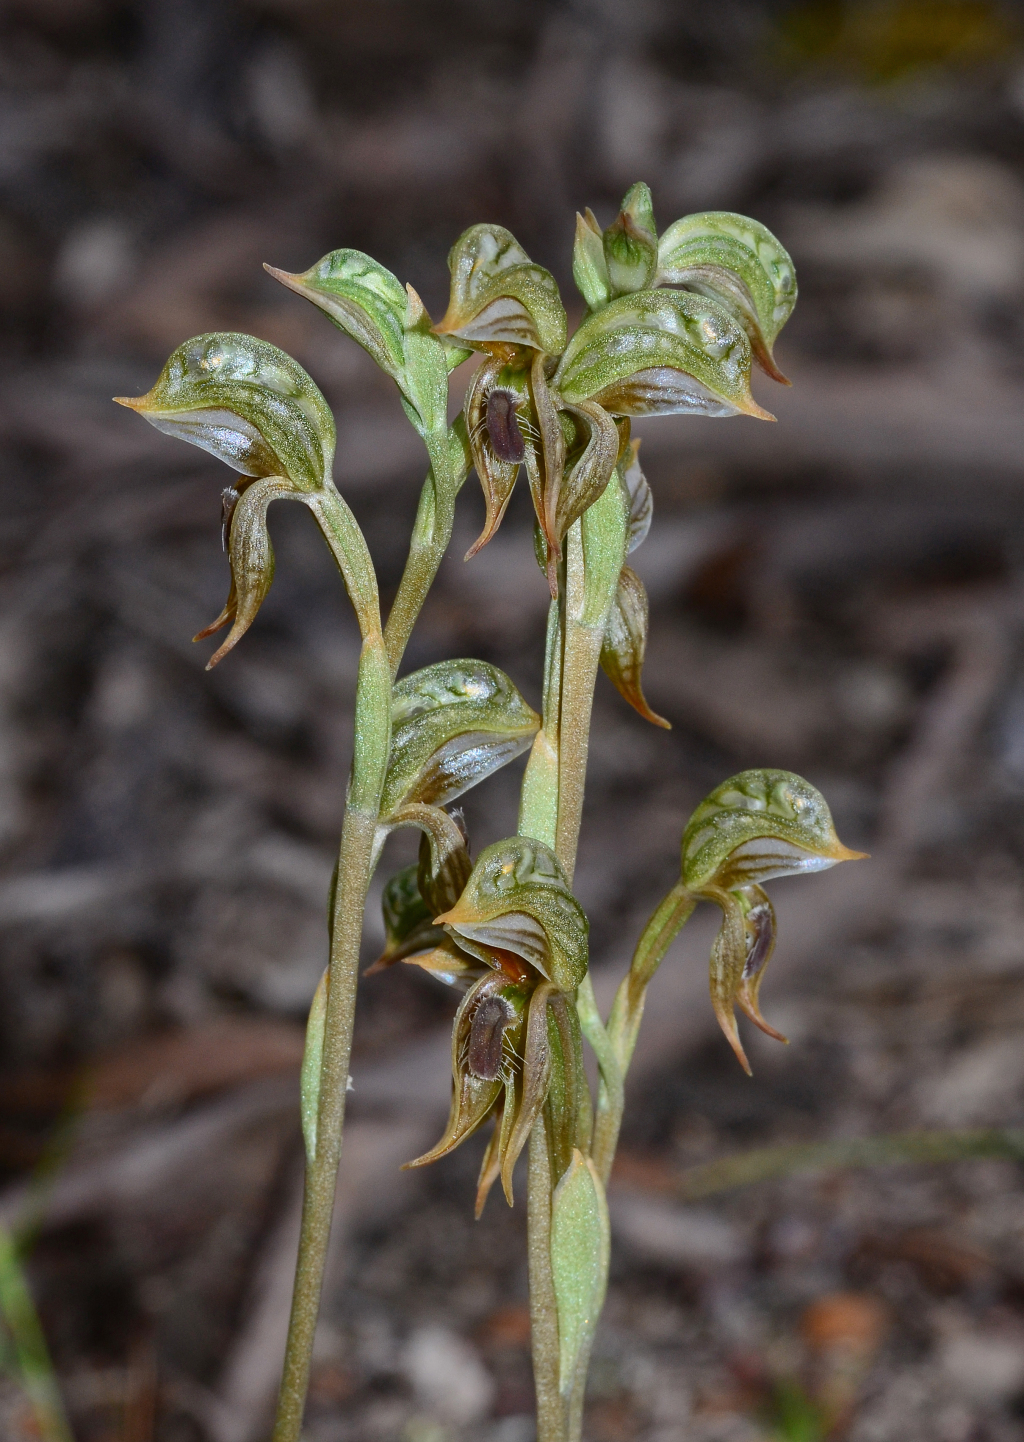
{"x": 500, "y": 301}
{"x": 518, "y": 900}
{"x": 580, "y": 1253}
{"x": 631, "y": 244}
{"x": 452, "y": 724}
{"x": 625, "y": 643}
{"x": 660, "y": 353}
{"x": 738, "y": 262}
{"x": 252, "y": 562}
{"x": 589, "y": 267}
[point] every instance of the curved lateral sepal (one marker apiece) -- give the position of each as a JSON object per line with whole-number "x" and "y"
{"x": 252, "y": 561}
{"x": 585, "y": 483}
{"x": 472, "y": 1096}
{"x": 625, "y": 644}
{"x": 760, "y": 926}
{"x": 532, "y": 1085}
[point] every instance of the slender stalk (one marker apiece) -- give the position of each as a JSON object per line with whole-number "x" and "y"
{"x": 595, "y": 549}
{"x": 435, "y": 515}
{"x": 551, "y": 1408}
{"x": 551, "y": 810}
{"x": 34, "y": 1364}
{"x": 321, "y": 1173}
{"x": 627, "y": 1012}
{"x": 355, "y": 865}
{"x": 581, "y": 655}
{"x": 538, "y": 817}
{"x": 538, "y": 806}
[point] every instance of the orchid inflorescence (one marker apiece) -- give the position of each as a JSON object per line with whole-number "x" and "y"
{"x": 673, "y": 326}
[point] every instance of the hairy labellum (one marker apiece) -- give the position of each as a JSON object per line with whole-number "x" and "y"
{"x": 228, "y": 502}
{"x": 760, "y": 924}
{"x": 503, "y": 428}
{"x": 486, "y": 1032}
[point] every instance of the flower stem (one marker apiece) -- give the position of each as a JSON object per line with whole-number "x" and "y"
{"x": 595, "y": 548}
{"x": 670, "y": 915}
{"x": 355, "y": 867}
{"x": 551, "y": 811}
{"x": 432, "y": 531}
{"x": 321, "y": 1173}
{"x": 551, "y": 1409}
{"x": 538, "y": 806}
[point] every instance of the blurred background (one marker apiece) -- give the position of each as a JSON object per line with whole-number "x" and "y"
{"x": 841, "y": 594}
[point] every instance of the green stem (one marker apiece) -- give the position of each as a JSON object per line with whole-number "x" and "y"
{"x": 595, "y": 549}
{"x": 581, "y": 655}
{"x": 538, "y": 807}
{"x": 355, "y": 865}
{"x": 34, "y": 1364}
{"x": 551, "y": 810}
{"x": 551, "y": 1408}
{"x": 670, "y": 915}
{"x": 435, "y": 516}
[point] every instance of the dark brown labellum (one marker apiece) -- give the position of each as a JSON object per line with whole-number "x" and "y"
{"x": 760, "y": 935}
{"x": 490, "y": 1019}
{"x": 503, "y": 427}
{"x": 228, "y": 502}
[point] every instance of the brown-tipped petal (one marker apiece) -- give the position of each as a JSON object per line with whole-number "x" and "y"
{"x": 586, "y": 482}
{"x": 497, "y": 504}
{"x": 748, "y": 1005}
{"x": 536, "y": 1076}
{"x": 728, "y": 956}
{"x": 490, "y": 1169}
{"x": 722, "y": 1003}
{"x": 750, "y": 407}
{"x": 252, "y": 557}
{"x": 766, "y": 360}
{"x": 478, "y": 1047}
{"x": 472, "y": 1096}
{"x": 759, "y": 924}
{"x": 445, "y": 962}
{"x": 471, "y": 1102}
{"x": 625, "y": 644}
{"x": 228, "y": 614}
{"x": 286, "y": 277}
{"x": 544, "y": 482}
{"x": 236, "y": 633}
